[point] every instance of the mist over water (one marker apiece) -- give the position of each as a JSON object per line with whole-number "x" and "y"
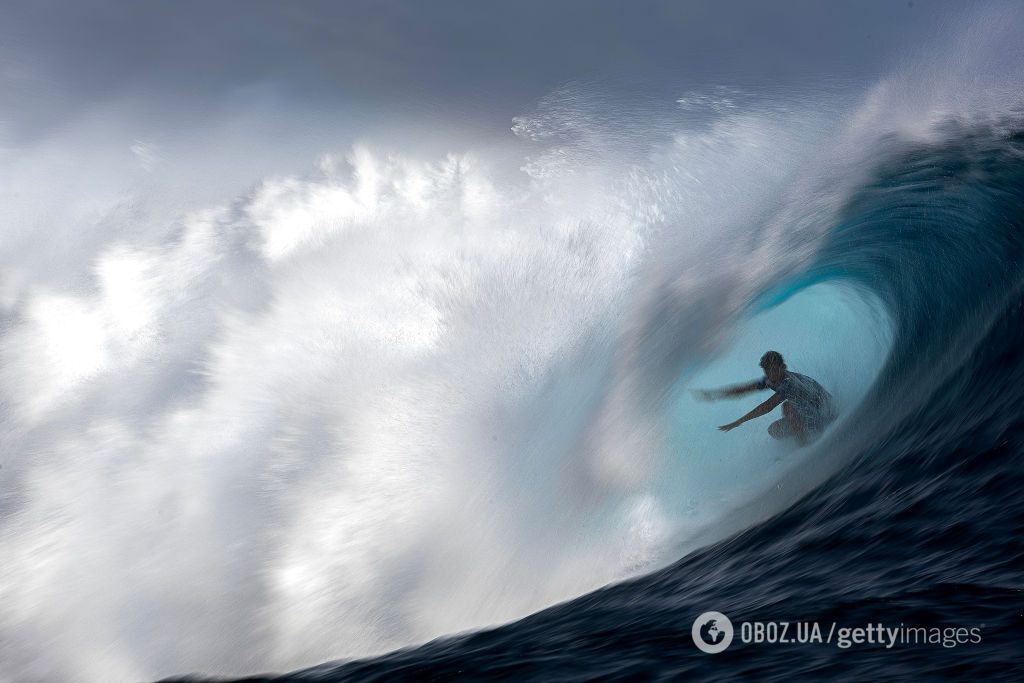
{"x": 291, "y": 422}
{"x": 402, "y": 393}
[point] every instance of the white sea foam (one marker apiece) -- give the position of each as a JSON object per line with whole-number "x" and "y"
{"x": 395, "y": 397}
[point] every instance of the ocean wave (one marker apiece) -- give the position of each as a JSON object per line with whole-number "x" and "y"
{"x": 280, "y": 429}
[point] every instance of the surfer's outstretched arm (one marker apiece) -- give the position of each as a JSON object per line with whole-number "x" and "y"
{"x": 763, "y": 409}
{"x": 728, "y": 392}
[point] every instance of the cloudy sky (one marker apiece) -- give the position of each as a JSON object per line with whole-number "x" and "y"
{"x": 482, "y": 59}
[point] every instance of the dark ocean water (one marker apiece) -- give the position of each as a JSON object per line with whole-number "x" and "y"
{"x": 919, "y": 526}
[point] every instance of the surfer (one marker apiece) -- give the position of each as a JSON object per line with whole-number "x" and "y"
{"x": 807, "y": 409}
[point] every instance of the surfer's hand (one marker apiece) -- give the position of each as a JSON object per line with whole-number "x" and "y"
{"x": 725, "y": 428}
{"x": 705, "y": 394}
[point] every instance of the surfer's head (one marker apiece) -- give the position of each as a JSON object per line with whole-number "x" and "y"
{"x": 773, "y": 365}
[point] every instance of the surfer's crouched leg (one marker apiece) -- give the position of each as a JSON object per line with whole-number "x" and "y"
{"x": 780, "y": 429}
{"x": 788, "y": 426}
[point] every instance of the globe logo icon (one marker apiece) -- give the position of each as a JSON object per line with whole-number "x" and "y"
{"x": 712, "y": 632}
